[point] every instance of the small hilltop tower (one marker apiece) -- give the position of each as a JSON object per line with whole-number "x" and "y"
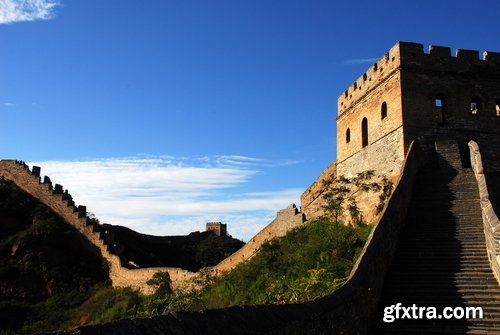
{"x": 219, "y": 228}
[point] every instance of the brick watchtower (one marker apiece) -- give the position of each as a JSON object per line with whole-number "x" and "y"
{"x": 409, "y": 94}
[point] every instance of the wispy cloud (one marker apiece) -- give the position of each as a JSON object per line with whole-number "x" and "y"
{"x": 172, "y": 196}
{"x": 9, "y": 104}
{"x": 26, "y": 10}
{"x": 359, "y": 61}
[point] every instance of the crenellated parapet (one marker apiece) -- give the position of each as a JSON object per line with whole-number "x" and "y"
{"x": 61, "y": 202}
{"x": 411, "y": 94}
{"x": 378, "y": 73}
{"x": 286, "y": 220}
{"x": 409, "y": 54}
{"x": 102, "y": 238}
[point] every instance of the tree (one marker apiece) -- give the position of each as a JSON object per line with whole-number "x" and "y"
{"x": 341, "y": 194}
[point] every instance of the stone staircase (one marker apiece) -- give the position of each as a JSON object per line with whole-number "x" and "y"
{"x": 441, "y": 259}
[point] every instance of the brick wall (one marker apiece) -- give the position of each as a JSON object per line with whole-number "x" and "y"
{"x": 286, "y": 220}
{"x": 311, "y": 200}
{"x": 346, "y": 311}
{"x": 62, "y": 203}
{"x": 490, "y": 218}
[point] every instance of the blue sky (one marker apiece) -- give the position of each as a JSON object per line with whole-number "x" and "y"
{"x": 164, "y": 114}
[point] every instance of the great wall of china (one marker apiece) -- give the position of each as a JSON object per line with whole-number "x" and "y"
{"x": 430, "y": 121}
{"x": 61, "y": 202}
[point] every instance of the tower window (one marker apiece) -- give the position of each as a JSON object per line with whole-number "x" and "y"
{"x": 348, "y": 135}
{"x": 383, "y": 110}
{"x": 497, "y": 107}
{"x": 364, "y": 132}
{"x": 439, "y": 109}
{"x": 439, "y": 102}
{"x": 474, "y": 105}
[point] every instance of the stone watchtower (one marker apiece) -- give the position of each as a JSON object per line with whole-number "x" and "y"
{"x": 219, "y": 228}
{"x": 409, "y": 94}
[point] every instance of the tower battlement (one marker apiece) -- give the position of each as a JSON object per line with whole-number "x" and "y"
{"x": 409, "y": 54}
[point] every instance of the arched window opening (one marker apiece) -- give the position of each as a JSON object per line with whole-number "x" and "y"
{"x": 383, "y": 110}
{"x": 497, "y": 107}
{"x": 474, "y": 105}
{"x": 348, "y": 135}
{"x": 364, "y": 132}
{"x": 439, "y": 102}
{"x": 439, "y": 109}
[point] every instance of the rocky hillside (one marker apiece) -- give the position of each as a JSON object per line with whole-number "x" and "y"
{"x": 191, "y": 252}
{"x": 41, "y": 258}
{"x": 47, "y": 268}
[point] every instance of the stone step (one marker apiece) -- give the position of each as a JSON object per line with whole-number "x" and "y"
{"x": 445, "y": 221}
{"x": 402, "y": 289}
{"x": 459, "y": 278}
{"x": 441, "y": 257}
{"x": 465, "y": 259}
{"x": 439, "y": 286}
{"x": 456, "y": 191}
{"x": 415, "y": 228}
{"x": 448, "y": 328}
{"x": 439, "y": 252}
{"x": 453, "y": 239}
{"x": 433, "y": 264}
{"x": 441, "y": 301}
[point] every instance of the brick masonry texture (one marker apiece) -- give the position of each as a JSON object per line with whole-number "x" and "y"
{"x": 490, "y": 218}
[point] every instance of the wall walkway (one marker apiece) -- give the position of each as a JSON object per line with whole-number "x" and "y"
{"x": 61, "y": 202}
{"x": 346, "y": 311}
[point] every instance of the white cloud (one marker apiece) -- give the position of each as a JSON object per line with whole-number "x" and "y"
{"x": 359, "y": 61}
{"x": 172, "y": 196}
{"x": 9, "y": 104}
{"x": 26, "y": 10}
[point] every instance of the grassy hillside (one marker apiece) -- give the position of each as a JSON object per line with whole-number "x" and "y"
{"x": 46, "y": 267}
{"x": 190, "y": 252}
{"x": 309, "y": 262}
{"x": 50, "y": 278}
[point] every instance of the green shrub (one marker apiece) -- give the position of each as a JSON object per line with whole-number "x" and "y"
{"x": 309, "y": 262}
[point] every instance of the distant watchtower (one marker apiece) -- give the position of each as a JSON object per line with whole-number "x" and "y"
{"x": 409, "y": 94}
{"x": 219, "y": 228}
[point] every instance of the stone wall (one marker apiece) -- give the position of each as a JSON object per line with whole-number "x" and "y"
{"x": 61, "y": 202}
{"x": 286, "y": 220}
{"x": 456, "y": 81}
{"x": 376, "y": 99}
{"x": 490, "y": 219}
{"x": 425, "y": 94}
{"x": 346, "y": 311}
{"x": 311, "y": 200}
